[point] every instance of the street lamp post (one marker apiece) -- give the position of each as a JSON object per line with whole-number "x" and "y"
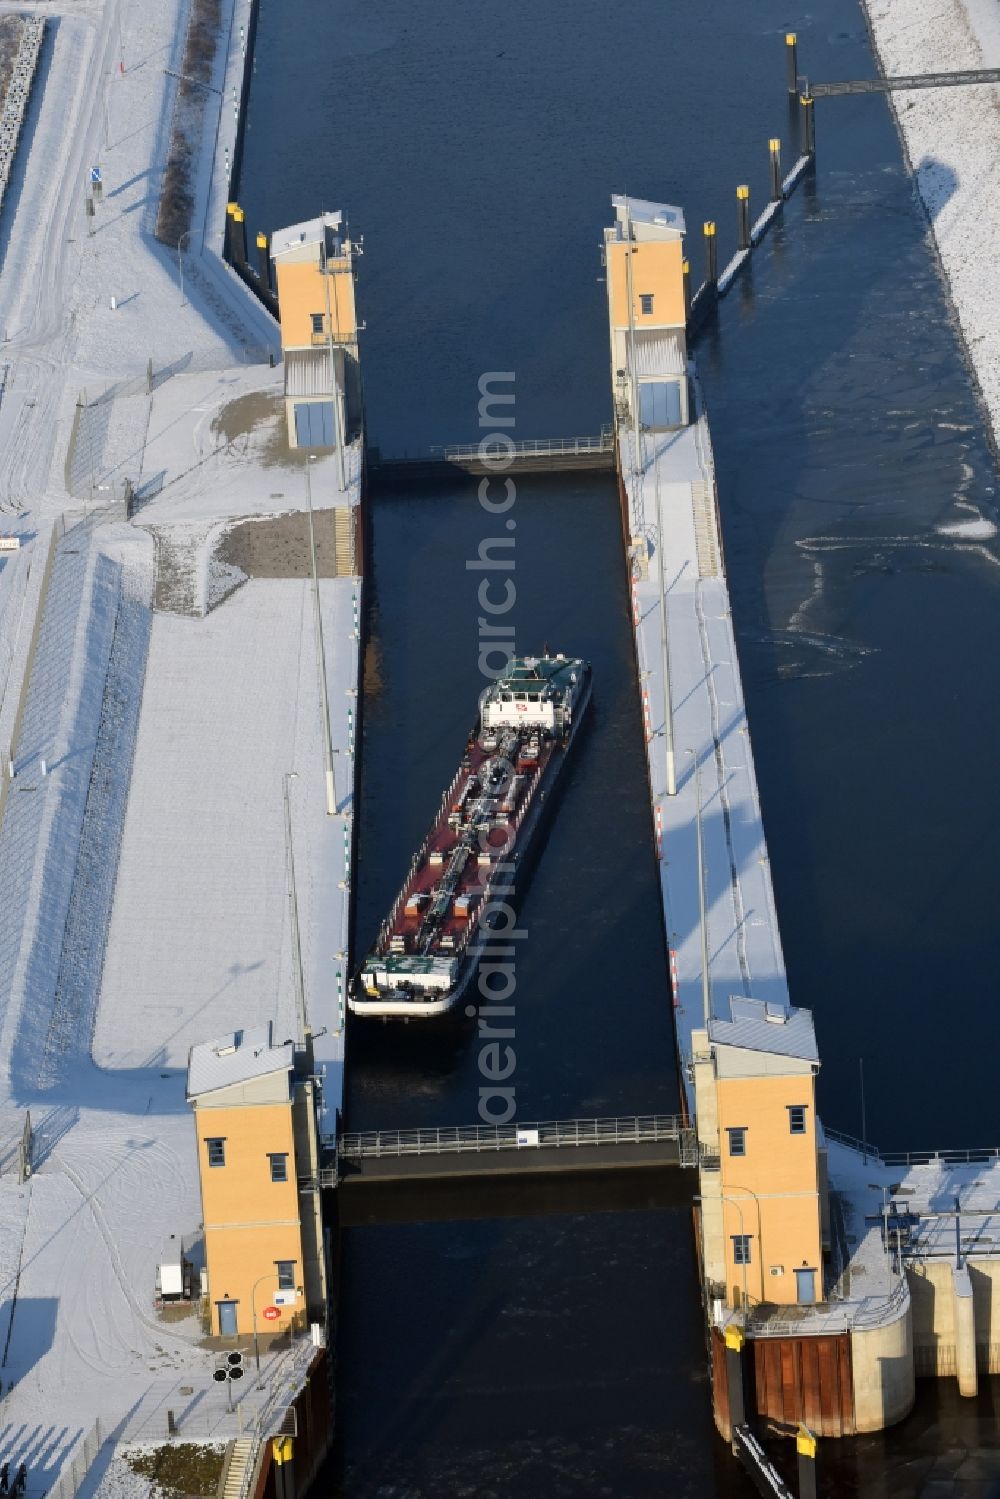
{"x": 338, "y": 428}
{"x": 760, "y": 1230}
{"x": 633, "y": 371}
{"x": 668, "y": 704}
{"x": 253, "y": 1312}
{"x": 180, "y": 262}
{"x": 743, "y": 1263}
{"x": 293, "y": 902}
{"x": 706, "y": 987}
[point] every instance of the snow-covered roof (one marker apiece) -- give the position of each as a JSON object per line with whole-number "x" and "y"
{"x": 237, "y": 1057}
{"x": 756, "y": 1025}
{"x": 309, "y": 232}
{"x": 660, "y": 220}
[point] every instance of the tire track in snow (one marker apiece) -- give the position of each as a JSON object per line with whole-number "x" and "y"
{"x": 97, "y": 1212}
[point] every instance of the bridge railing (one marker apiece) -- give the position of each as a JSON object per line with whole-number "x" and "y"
{"x": 541, "y": 1135}
{"x": 503, "y": 453}
{"x": 531, "y": 448}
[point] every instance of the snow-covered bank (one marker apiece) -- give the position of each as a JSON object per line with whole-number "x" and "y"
{"x": 952, "y": 137}
{"x": 200, "y": 926}
{"x": 144, "y": 907}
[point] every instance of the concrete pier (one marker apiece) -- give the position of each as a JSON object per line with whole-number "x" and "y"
{"x": 809, "y": 1309}
{"x": 882, "y": 1370}
{"x": 965, "y": 1331}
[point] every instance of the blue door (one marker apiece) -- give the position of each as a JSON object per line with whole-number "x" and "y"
{"x": 805, "y": 1287}
{"x": 227, "y": 1319}
{"x": 314, "y": 424}
{"x": 659, "y": 404}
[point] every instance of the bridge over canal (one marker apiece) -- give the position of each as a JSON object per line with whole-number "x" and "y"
{"x": 543, "y": 1147}
{"x": 537, "y": 456}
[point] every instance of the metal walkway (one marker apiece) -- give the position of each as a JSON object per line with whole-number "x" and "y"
{"x": 539, "y": 456}
{"x": 905, "y": 81}
{"x": 763, "y": 1474}
{"x": 509, "y": 1149}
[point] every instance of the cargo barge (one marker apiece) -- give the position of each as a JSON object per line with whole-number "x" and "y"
{"x": 426, "y": 953}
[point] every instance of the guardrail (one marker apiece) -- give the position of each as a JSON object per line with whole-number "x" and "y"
{"x": 196, "y": 1410}
{"x": 852, "y": 1142}
{"x": 870, "y": 1311}
{"x": 969, "y": 1157}
{"x": 633, "y": 1129}
{"x": 972, "y": 1155}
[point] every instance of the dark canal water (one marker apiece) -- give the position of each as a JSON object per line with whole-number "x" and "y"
{"x": 475, "y": 145}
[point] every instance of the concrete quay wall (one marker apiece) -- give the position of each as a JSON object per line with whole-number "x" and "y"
{"x": 842, "y": 1374}
{"x": 956, "y": 1319}
{"x": 882, "y": 1373}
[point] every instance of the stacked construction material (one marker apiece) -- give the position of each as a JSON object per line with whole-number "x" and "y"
{"x": 15, "y": 104}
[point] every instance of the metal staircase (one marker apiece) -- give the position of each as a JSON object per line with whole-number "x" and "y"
{"x": 236, "y": 1472}
{"x": 343, "y": 531}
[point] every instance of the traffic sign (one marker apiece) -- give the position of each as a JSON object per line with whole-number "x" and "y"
{"x": 271, "y": 1313}
{"x": 95, "y": 174}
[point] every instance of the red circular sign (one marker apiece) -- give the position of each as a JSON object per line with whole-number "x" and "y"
{"x": 271, "y": 1313}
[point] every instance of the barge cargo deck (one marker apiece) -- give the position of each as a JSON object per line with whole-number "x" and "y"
{"x": 426, "y": 953}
